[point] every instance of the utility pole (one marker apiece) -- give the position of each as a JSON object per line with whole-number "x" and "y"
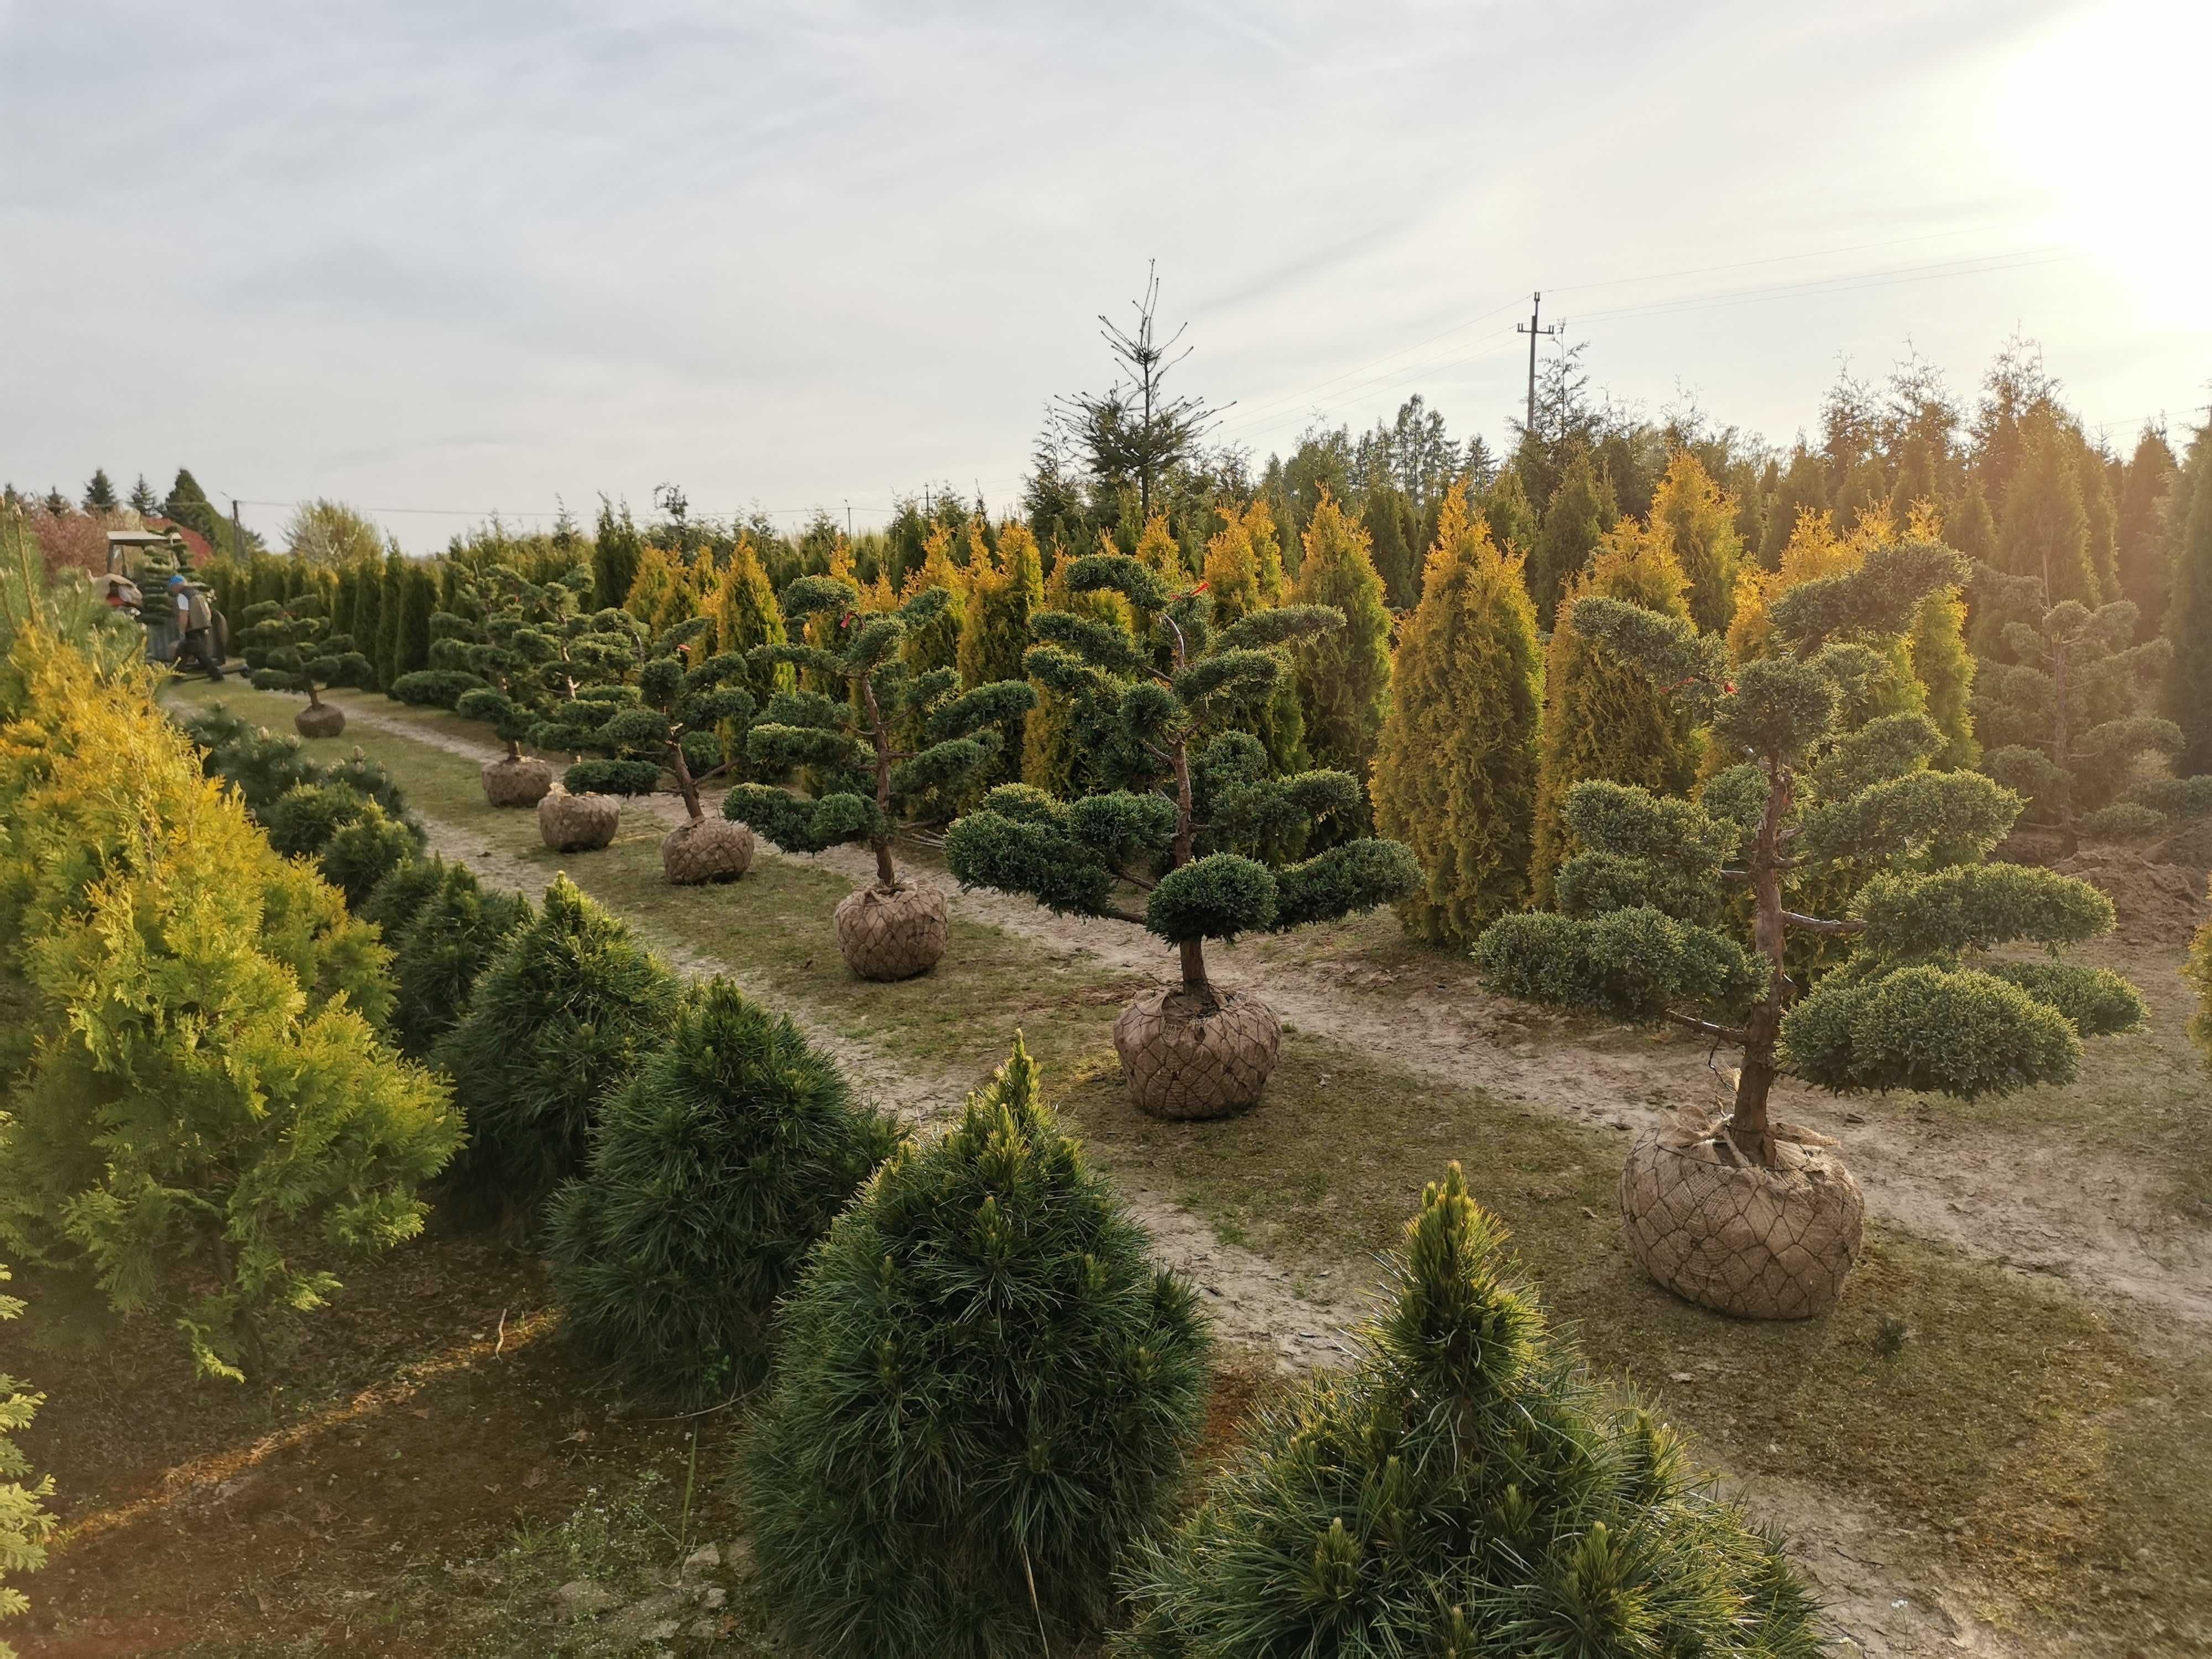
{"x": 1535, "y": 309}
{"x": 848, "y": 518}
{"x": 237, "y": 533}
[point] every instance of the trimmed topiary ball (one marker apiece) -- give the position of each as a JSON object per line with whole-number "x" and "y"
{"x": 1466, "y": 1488}
{"x": 567, "y": 1012}
{"x": 360, "y": 854}
{"x": 453, "y": 938}
{"x": 713, "y": 1172}
{"x": 982, "y": 1396}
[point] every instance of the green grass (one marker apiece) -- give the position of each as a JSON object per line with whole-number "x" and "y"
{"x": 2021, "y": 1436}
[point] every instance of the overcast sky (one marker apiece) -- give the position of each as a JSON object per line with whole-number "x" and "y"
{"x": 477, "y": 254}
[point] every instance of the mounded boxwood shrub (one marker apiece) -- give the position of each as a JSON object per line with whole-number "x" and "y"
{"x": 1466, "y": 1488}
{"x": 713, "y": 1172}
{"x": 454, "y": 935}
{"x": 982, "y": 1395}
{"x": 568, "y": 1011}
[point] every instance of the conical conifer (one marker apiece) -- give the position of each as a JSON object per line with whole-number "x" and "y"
{"x": 1468, "y": 1488}
{"x": 2044, "y": 530}
{"x": 982, "y": 1396}
{"x": 995, "y": 633}
{"x": 1699, "y": 523}
{"x": 2188, "y": 612}
{"x": 743, "y": 607}
{"x": 457, "y": 932}
{"x": 1343, "y": 676}
{"x": 1575, "y": 520}
{"x": 1507, "y": 510}
{"x": 2144, "y": 483}
{"x": 568, "y": 1011}
{"x": 713, "y": 1173}
{"x": 1602, "y": 718}
{"x": 1455, "y": 771}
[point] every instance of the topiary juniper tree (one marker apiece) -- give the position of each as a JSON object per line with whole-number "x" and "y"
{"x": 288, "y": 648}
{"x": 862, "y": 787}
{"x": 2060, "y": 720}
{"x": 1466, "y": 1488}
{"x": 1913, "y": 1005}
{"x": 1199, "y": 825}
{"x": 859, "y": 785}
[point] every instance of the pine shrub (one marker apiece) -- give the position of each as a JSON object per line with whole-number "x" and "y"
{"x": 566, "y": 1013}
{"x": 456, "y": 933}
{"x": 1467, "y": 1488}
{"x": 982, "y": 1396}
{"x": 713, "y": 1173}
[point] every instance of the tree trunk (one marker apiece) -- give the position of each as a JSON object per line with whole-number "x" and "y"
{"x": 514, "y": 749}
{"x": 1194, "y": 967}
{"x": 886, "y": 871}
{"x": 685, "y": 785}
{"x": 1747, "y": 1125}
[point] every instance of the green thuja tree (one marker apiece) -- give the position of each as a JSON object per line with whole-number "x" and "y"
{"x": 1575, "y": 521}
{"x": 982, "y": 1396}
{"x": 288, "y": 648}
{"x": 858, "y": 786}
{"x": 1199, "y": 825}
{"x": 1456, "y": 774}
{"x": 2189, "y": 610}
{"x": 1466, "y": 1488}
{"x": 568, "y": 1011}
{"x": 713, "y": 1172}
{"x": 2061, "y": 717}
{"x": 1342, "y": 671}
{"x": 1917, "y": 1003}
{"x": 674, "y": 729}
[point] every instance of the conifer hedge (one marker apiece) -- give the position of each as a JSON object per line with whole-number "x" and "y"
{"x": 713, "y": 1171}
{"x": 1467, "y": 1489}
{"x": 982, "y": 1395}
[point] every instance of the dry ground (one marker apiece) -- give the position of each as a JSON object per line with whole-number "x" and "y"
{"x": 2002, "y": 1443}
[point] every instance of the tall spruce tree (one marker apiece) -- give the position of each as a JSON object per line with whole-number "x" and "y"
{"x": 99, "y": 493}
{"x": 1917, "y": 1005}
{"x": 1467, "y": 1487}
{"x": 1601, "y": 719}
{"x": 1455, "y": 771}
{"x": 143, "y": 500}
{"x": 1342, "y": 674}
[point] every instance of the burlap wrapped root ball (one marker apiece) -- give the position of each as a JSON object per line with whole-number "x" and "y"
{"x": 1188, "y": 1054}
{"x": 1729, "y": 1235}
{"x": 578, "y": 823}
{"x": 705, "y": 849}
{"x": 516, "y": 780}
{"x": 319, "y": 719}
{"x": 893, "y": 933}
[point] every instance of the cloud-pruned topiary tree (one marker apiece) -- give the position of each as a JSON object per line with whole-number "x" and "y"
{"x": 288, "y": 647}
{"x": 1200, "y": 825}
{"x": 685, "y": 701}
{"x": 2062, "y": 717}
{"x": 982, "y": 1396}
{"x": 567, "y": 1011}
{"x": 1915, "y": 1005}
{"x": 1467, "y": 1488}
{"x": 713, "y": 1172}
{"x": 857, "y": 784}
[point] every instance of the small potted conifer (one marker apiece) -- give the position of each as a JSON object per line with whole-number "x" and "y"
{"x": 288, "y": 648}
{"x": 1199, "y": 824}
{"x": 672, "y": 730}
{"x": 1746, "y": 1214}
{"x": 858, "y": 785}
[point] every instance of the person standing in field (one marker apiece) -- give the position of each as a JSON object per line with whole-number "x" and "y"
{"x": 196, "y": 622}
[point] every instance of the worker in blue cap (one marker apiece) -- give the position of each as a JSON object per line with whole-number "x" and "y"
{"x": 197, "y": 624}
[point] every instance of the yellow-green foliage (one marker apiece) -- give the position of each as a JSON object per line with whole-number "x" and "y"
{"x": 1696, "y": 522}
{"x": 1344, "y": 676}
{"x": 1052, "y": 751}
{"x": 1603, "y": 718}
{"x": 1936, "y": 648}
{"x": 2197, "y": 970}
{"x": 1156, "y": 547}
{"x": 1268, "y": 548}
{"x": 995, "y": 634}
{"x": 936, "y": 643}
{"x": 1232, "y": 569}
{"x": 1456, "y": 772}
{"x": 202, "y": 1118}
{"x": 25, "y": 1526}
{"x": 655, "y": 590}
{"x": 741, "y": 606}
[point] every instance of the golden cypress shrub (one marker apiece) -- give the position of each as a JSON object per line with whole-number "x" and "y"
{"x": 1456, "y": 770}
{"x": 1232, "y": 569}
{"x": 1697, "y": 521}
{"x": 742, "y": 605}
{"x": 1602, "y": 718}
{"x": 995, "y": 634}
{"x": 1157, "y": 548}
